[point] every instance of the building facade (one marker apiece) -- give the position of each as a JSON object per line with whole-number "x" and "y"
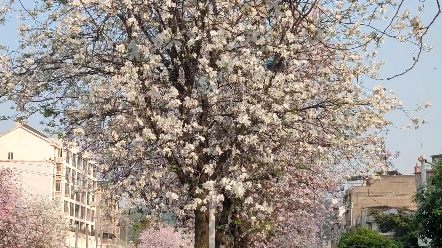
{"x": 108, "y": 222}
{"x": 395, "y": 191}
{"x": 50, "y": 168}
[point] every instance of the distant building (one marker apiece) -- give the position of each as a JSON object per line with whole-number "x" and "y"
{"x": 395, "y": 191}
{"x": 108, "y": 222}
{"x": 418, "y": 177}
{"x": 367, "y": 220}
{"x": 332, "y": 227}
{"x": 417, "y": 169}
{"x": 51, "y": 168}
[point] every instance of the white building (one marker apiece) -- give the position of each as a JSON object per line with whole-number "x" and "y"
{"x": 48, "y": 167}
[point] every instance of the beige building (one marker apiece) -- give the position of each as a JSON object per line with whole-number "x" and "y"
{"x": 108, "y": 223}
{"x": 395, "y": 191}
{"x": 48, "y": 167}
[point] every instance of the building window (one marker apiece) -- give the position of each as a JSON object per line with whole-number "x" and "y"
{"x": 77, "y": 210}
{"x": 74, "y": 160}
{"x": 86, "y": 166}
{"x": 68, "y": 174}
{"x": 58, "y": 186}
{"x": 83, "y": 212}
{"x": 68, "y": 157}
{"x": 10, "y": 155}
{"x": 72, "y": 193}
{"x": 66, "y": 190}
{"x": 71, "y": 209}
{"x": 80, "y": 162}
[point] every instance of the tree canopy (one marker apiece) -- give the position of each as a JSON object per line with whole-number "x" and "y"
{"x": 29, "y": 220}
{"x": 255, "y": 106}
{"x": 403, "y": 224}
{"x": 366, "y": 238}
{"x": 429, "y": 214}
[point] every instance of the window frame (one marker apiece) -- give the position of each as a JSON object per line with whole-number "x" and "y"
{"x": 58, "y": 183}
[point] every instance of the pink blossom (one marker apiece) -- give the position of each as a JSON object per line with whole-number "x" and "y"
{"x": 164, "y": 237}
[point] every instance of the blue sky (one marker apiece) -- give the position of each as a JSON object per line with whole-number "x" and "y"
{"x": 418, "y": 86}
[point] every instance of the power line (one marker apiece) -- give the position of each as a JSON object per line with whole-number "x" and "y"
{"x": 405, "y": 193}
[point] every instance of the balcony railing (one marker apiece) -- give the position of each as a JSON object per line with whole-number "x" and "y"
{"x": 59, "y": 159}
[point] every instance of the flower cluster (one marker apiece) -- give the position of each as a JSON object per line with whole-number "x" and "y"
{"x": 164, "y": 237}
{"x": 28, "y": 221}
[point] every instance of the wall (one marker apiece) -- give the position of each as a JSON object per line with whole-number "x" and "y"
{"x": 392, "y": 191}
{"x": 35, "y": 177}
{"x": 25, "y": 146}
{"x": 30, "y": 160}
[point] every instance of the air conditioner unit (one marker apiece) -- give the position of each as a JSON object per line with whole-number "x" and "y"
{"x": 59, "y": 159}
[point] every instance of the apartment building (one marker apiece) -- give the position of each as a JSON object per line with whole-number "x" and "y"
{"x": 50, "y": 168}
{"x": 108, "y": 222}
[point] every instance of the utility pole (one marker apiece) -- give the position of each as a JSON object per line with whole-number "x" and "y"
{"x": 76, "y": 235}
{"x": 126, "y": 234}
{"x": 212, "y": 212}
{"x": 423, "y": 162}
{"x": 423, "y": 170}
{"x": 97, "y": 218}
{"x": 75, "y": 216}
{"x": 87, "y": 238}
{"x": 335, "y": 228}
{"x": 85, "y": 215}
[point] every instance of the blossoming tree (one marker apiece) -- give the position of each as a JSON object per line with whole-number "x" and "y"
{"x": 164, "y": 237}
{"x": 28, "y": 221}
{"x": 256, "y": 106}
{"x": 8, "y": 194}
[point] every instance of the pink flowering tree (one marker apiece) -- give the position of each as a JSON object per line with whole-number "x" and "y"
{"x": 163, "y": 237}
{"x": 8, "y": 195}
{"x": 29, "y": 221}
{"x": 254, "y": 106}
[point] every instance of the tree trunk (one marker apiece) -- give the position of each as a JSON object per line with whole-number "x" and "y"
{"x": 201, "y": 228}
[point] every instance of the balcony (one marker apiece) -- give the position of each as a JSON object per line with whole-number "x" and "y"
{"x": 59, "y": 160}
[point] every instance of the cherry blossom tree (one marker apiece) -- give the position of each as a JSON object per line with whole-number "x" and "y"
{"x": 29, "y": 221}
{"x": 257, "y": 106}
{"x": 8, "y": 195}
{"x": 164, "y": 237}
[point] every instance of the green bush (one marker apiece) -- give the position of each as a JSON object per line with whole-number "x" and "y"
{"x": 366, "y": 238}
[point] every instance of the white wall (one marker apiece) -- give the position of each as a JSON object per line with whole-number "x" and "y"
{"x": 25, "y": 146}
{"x": 35, "y": 177}
{"x": 30, "y": 161}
